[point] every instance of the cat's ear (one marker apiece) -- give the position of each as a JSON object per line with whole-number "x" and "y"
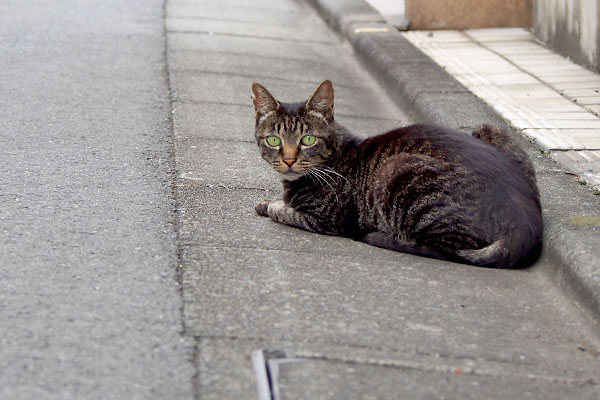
{"x": 320, "y": 103}
{"x": 264, "y": 103}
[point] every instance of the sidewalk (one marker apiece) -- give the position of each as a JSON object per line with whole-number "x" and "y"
{"x": 286, "y": 314}
{"x": 571, "y": 205}
{"x": 548, "y": 98}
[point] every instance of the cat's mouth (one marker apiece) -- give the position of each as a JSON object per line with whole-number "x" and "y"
{"x": 292, "y": 172}
{"x": 291, "y": 175}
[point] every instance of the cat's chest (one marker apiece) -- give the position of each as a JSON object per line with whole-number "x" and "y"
{"x": 327, "y": 196}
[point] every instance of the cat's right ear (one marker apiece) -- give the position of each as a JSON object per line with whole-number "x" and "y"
{"x": 264, "y": 103}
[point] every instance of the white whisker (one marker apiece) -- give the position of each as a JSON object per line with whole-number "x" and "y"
{"x": 313, "y": 177}
{"x": 323, "y": 177}
{"x": 328, "y": 169}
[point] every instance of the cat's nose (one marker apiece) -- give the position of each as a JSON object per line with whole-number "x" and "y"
{"x": 289, "y": 161}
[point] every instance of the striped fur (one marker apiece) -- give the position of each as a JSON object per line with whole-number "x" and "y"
{"x": 419, "y": 189}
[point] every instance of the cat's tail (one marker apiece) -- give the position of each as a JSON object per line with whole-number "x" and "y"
{"x": 511, "y": 250}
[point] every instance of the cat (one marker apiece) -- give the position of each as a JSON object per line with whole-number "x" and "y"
{"x": 419, "y": 189}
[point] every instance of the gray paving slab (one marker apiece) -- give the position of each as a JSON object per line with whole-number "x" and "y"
{"x": 278, "y": 49}
{"x": 240, "y": 12}
{"x": 319, "y": 32}
{"x": 583, "y": 163}
{"x": 233, "y": 89}
{"x": 498, "y": 319}
{"x": 196, "y": 121}
{"x": 218, "y": 215}
{"x": 310, "y": 69}
{"x": 301, "y": 370}
{"x": 264, "y": 5}
{"x": 200, "y": 121}
{"x": 225, "y": 369}
{"x": 235, "y": 162}
{"x": 324, "y": 379}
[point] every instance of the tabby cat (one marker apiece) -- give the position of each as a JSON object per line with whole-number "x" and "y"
{"x": 419, "y": 189}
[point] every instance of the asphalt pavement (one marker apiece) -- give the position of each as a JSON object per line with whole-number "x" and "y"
{"x": 89, "y": 302}
{"x": 133, "y": 264}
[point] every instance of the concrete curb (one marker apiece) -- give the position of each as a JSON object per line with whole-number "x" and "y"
{"x": 571, "y": 255}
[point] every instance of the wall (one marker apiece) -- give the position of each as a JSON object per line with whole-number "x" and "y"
{"x": 570, "y": 27}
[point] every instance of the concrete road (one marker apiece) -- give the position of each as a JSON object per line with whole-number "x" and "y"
{"x": 334, "y": 319}
{"x": 89, "y": 301}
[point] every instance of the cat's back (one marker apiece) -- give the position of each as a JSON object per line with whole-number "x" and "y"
{"x": 443, "y": 146}
{"x": 434, "y": 184}
{"x": 426, "y": 140}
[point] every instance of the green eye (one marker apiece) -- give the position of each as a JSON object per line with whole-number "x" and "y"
{"x": 308, "y": 140}
{"x": 273, "y": 141}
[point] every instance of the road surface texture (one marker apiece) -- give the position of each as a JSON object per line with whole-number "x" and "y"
{"x": 89, "y": 302}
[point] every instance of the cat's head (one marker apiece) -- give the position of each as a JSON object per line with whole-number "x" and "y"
{"x": 294, "y": 138}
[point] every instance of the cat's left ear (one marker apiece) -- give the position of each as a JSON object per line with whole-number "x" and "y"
{"x": 264, "y": 102}
{"x": 320, "y": 103}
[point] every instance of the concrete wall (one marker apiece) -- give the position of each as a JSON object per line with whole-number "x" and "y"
{"x": 570, "y": 27}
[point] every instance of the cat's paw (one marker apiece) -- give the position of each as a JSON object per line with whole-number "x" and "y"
{"x": 262, "y": 207}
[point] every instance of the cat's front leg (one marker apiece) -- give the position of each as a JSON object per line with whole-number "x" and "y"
{"x": 280, "y": 212}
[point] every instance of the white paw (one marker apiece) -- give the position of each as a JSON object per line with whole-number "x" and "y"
{"x": 275, "y": 207}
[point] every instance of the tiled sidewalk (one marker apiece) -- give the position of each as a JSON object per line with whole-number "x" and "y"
{"x": 553, "y": 101}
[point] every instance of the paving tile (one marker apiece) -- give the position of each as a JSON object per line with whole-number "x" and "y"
{"x": 564, "y": 78}
{"x": 593, "y": 108}
{"x": 554, "y": 139}
{"x": 590, "y": 84}
{"x": 251, "y": 29}
{"x": 180, "y": 41}
{"x": 589, "y": 142}
{"x": 467, "y": 54}
{"x": 235, "y": 89}
{"x": 438, "y": 36}
{"x": 517, "y": 47}
{"x": 236, "y": 162}
{"x": 569, "y": 125}
{"x": 535, "y": 60}
{"x": 236, "y": 12}
{"x": 528, "y": 91}
{"x": 584, "y": 100}
{"x": 569, "y": 116}
{"x": 261, "y": 65}
{"x": 213, "y": 121}
{"x": 268, "y": 5}
{"x": 492, "y": 66}
{"x": 502, "y": 34}
{"x": 329, "y": 379}
{"x": 556, "y": 103}
{"x": 584, "y": 163}
{"x": 260, "y": 293}
{"x": 514, "y": 78}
